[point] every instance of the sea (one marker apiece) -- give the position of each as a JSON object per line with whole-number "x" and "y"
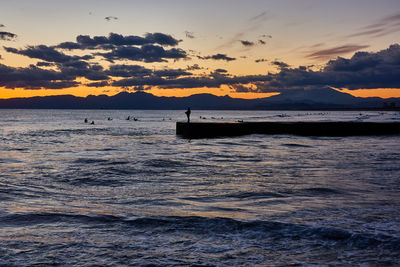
{"x": 131, "y": 192}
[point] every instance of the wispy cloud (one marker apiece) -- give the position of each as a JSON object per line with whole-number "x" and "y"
{"x": 260, "y": 17}
{"x": 110, "y": 18}
{"x": 385, "y": 26}
{"x": 189, "y": 35}
{"x": 253, "y": 24}
{"x": 335, "y": 51}
{"x": 354, "y": 41}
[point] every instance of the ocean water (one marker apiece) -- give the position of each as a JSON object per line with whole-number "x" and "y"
{"x": 132, "y": 193}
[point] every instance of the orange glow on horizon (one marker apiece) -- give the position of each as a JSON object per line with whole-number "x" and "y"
{"x": 223, "y": 91}
{"x": 110, "y": 91}
{"x": 83, "y": 91}
{"x": 76, "y": 91}
{"x": 382, "y": 92}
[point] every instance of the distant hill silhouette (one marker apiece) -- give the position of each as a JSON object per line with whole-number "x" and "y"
{"x": 324, "y": 98}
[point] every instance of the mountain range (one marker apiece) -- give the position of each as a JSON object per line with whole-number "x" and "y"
{"x": 302, "y": 99}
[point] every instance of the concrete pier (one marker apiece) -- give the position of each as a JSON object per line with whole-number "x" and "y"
{"x": 348, "y": 128}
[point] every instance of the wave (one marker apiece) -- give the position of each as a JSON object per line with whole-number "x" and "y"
{"x": 118, "y": 131}
{"x": 296, "y": 145}
{"x": 312, "y": 191}
{"x": 164, "y": 163}
{"x": 90, "y": 160}
{"x": 212, "y": 226}
{"x": 244, "y": 195}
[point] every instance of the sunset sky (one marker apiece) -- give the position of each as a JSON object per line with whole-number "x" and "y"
{"x": 246, "y": 49}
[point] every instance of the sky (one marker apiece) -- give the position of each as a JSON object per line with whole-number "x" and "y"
{"x": 246, "y": 49}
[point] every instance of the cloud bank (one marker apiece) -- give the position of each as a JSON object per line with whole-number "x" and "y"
{"x": 63, "y": 65}
{"x": 363, "y": 70}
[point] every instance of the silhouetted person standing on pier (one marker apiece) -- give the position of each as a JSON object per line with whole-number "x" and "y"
{"x": 188, "y": 114}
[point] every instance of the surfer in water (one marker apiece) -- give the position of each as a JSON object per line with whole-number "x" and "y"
{"x": 188, "y": 114}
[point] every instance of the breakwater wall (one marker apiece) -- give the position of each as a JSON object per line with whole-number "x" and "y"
{"x": 347, "y": 128}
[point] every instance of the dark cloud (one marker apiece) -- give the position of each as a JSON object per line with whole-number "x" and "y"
{"x": 44, "y": 64}
{"x": 215, "y": 79}
{"x": 115, "y": 40}
{"x": 336, "y": 51}
{"x": 146, "y": 53}
{"x": 93, "y": 75}
{"x": 194, "y": 67}
{"x": 189, "y": 35}
{"x": 33, "y": 77}
{"x": 128, "y": 71}
{"x": 161, "y": 39}
{"x": 246, "y": 43}
{"x": 260, "y": 60}
{"x": 239, "y": 88}
{"x": 83, "y": 69}
{"x": 67, "y": 68}
{"x": 250, "y": 44}
{"x": 218, "y": 57}
{"x": 109, "y": 18}
{"x": 266, "y": 36}
{"x": 362, "y": 71}
{"x": 46, "y": 53}
{"x": 36, "y": 85}
{"x": 2, "y": 25}
{"x": 171, "y": 73}
{"x": 280, "y": 64}
{"x": 7, "y": 36}
{"x": 138, "y": 71}
{"x": 97, "y": 84}
{"x": 221, "y": 71}
{"x": 70, "y": 46}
